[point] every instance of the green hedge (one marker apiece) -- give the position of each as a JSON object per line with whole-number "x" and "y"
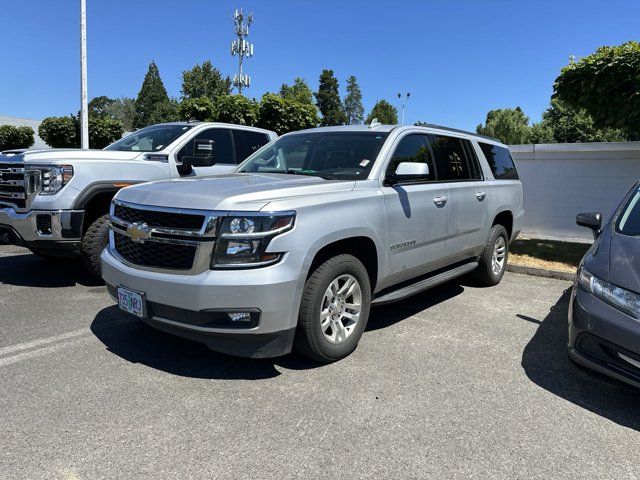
{"x": 282, "y": 115}
{"x": 15, "y": 137}
{"x": 64, "y": 132}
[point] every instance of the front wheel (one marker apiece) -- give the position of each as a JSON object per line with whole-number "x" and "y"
{"x": 94, "y": 241}
{"x": 334, "y": 309}
{"x": 493, "y": 261}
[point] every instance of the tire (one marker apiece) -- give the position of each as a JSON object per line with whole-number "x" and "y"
{"x": 94, "y": 241}
{"x": 485, "y": 274}
{"x": 312, "y": 338}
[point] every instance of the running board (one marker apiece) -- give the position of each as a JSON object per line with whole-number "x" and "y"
{"x": 425, "y": 284}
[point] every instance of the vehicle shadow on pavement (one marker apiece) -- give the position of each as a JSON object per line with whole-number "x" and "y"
{"x": 29, "y": 270}
{"x": 136, "y": 342}
{"x": 546, "y": 363}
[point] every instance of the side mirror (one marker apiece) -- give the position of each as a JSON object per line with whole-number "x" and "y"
{"x": 407, "y": 171}
{"x": 203, "y": 154}
{"x": 592, "y": 220}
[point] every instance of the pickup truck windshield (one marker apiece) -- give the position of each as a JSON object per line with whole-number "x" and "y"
{"x": 150, "y": 139}
{"x": 330, "y": 155}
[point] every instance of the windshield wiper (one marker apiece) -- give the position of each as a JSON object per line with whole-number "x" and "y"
{"x": 309, "y": 174}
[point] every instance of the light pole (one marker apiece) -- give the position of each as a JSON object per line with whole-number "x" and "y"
{"x": 84, "y": 109}
{"x": 241, "y": 47}
{"x": 403, "y": 100}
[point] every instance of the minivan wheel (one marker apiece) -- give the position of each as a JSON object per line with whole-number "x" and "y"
{"x": 493, "y": 261}
{"x": 93, "y": 243}
{"x": 334, "y": 310}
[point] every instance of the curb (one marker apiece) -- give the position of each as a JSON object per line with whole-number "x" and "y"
{"x": 541, "y": 272}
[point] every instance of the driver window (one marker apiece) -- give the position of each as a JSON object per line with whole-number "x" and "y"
{"x": 412, "y": 148}
{"x": 223, "y": 146}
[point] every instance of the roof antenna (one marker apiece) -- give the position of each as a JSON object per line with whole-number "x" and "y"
{"x": 374, "y": 123}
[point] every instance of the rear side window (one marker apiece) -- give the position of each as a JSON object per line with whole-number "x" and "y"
{"x": 500, "y": 161}
{"x": 412, "y": 148}
{"x": 247, "y": 142}
{"x": 451, "y": 160}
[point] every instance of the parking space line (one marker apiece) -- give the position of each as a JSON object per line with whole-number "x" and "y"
{"x": 38, "y": 352}
{"x": 43, "y": 341}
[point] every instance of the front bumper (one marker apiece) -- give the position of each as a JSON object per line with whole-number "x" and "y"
{"x": 603, "y": 338}
{"x": 272, "y": 292}
{"x": 40, "y": 226}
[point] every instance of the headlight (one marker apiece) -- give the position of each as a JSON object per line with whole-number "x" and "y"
{"x": 54, "y": 178}
{"x": 243, "y": 240}
{"x": 628, "y": 302}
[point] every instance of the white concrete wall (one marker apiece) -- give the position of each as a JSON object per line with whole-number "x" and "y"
{"x": 561, "y": 180}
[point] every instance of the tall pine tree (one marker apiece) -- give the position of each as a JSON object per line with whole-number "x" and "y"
{"x": 328, "y": 100}
{"x": 205, "y": 81}
{"x": 298, "y": 92}
{"x": 353, "y": 102}
{"x": 151, "y": 99}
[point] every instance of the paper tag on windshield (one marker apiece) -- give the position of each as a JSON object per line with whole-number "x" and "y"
{"x": 364, "y": 163}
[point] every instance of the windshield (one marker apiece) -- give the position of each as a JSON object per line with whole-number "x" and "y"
{"x": 330, "y": 155}
{"x": 629, "y": 223}
{"x": 150, "y": 139}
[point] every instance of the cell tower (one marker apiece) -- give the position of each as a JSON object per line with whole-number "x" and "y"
{"x": 241, "y": 47}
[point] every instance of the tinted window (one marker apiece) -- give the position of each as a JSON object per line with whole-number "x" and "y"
{"x": 451, "y": 161}
{"x": 223, "y": 148}
{"x": 334, "y": 155}
{"x": 629, "y": 223}
{"x": 500, "y": 161}
{"x": 476, "y": 171}
{"x": 247, "y": 142}
{"x": 150, "y": 139}
{"x": 412, "y": 148}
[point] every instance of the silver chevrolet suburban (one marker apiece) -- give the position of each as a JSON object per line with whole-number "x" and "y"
{"x": 293, "y": 247}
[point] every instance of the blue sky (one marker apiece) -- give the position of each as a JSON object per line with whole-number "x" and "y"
{"x": 458, "y": 59}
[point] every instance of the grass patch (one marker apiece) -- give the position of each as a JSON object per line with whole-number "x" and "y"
{"x": 548, "y": 254}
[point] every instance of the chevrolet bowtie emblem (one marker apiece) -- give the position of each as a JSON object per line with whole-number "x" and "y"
{"x": 138, "y": 232}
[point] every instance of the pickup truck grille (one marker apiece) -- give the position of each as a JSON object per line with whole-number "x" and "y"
{"x": 155, "y": 254}
{"x": 14, "y": 185}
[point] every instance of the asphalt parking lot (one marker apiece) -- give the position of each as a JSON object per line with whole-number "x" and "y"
{"x": 458, "y": 382}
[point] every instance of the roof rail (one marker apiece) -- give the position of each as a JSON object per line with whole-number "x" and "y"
{"x": 457, "y": 130}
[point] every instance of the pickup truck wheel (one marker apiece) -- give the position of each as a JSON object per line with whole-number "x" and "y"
{"x": 334, "y": 310}
{"x": 493, "y": 261}
{"x": 93, "y": 243}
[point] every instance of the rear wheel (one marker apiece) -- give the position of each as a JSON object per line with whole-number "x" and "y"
{"x": 334, "y": 309}
{"x": 493, "y": 261}
{"x": 93, "y": 243}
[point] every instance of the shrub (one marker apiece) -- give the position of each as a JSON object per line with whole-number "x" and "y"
{"x": 59, "y": 132}
{"x": 200, "y": 108}
{"x": 104, "y": 131}
{"x": 282, "y": 115}
{"x": 235, "y": 109}
{"x": 15, "y": 137}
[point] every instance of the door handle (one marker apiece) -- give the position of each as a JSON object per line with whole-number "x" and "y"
{"x": 480, "y": 195}
{"x": 440, "y": 201}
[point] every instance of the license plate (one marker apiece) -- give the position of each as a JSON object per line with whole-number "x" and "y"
{"x": 131, "y": 302}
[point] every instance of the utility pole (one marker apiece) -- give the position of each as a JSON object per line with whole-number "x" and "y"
{"x": 84, "y": 109}
{"x": 241, "y": 47}
{"x": 403, "y": 100}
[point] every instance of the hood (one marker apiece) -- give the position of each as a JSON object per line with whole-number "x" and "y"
{"x": 74, "y": 155}
{"x": 624, "y": 258}
{"x": 239, "y": 191}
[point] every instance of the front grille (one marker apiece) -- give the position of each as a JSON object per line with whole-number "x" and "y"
{"x": 179, "y": 221}
{"x": 155, "y": 254}
{"x": 13, "y": 184}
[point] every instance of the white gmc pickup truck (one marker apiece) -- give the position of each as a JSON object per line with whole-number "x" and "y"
{"x": 56, "y": 202}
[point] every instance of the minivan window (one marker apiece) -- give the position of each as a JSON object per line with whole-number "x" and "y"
{"x": 223, "y": 148}
{"x": 248, "y": 142}
{"x": 412, "y": 148}
{"x": 500, "y": 161}
{"x": 329, "y": 155}
{"x": 629, "y": 222}
{"x": 451, "y": 161}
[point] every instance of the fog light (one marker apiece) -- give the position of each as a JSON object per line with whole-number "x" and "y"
{"x": 239, "y": 316}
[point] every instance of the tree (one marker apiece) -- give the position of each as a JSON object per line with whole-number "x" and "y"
{"x": 510, "y": 126}
{"x": 384, "y": 112}
{"x": 98, "y": 106}
{"x": 204, "y": 81}
{"x": 200, "y": 108}
{"x": 124, "y": 111}
{"x": 328, "y": 100}
{"x": 15, "y": 137}
{"x": 102, "y": 131}
{"x": 282, "y": 115}
{"x": 165, "y": 112}
{"x": 64, "y": 132}
{"x": 298, "y": 92}
{"x": 563, "y": 124}
{"x": 235, "y": 109}
{"x": 353, "y": 102}
{"x": 152, "y": 101}
{"x": 606, "y": 85}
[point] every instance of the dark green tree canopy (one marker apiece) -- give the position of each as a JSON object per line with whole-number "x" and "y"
{"x": 98, "y": 106}
{"x": 235, "y": 109}
{"x": 200, "y": 108}
{"x": 386, "y": 113}
{"x": 328, "y": 100}
{"x": 152, "y": 102}
{"x": 606, "y": 84}
{"x": 124, "y": 111}
{"x": 510, "y": 126}
{"x": 282, "y": 115}
{"x": 298, "y": 92}
{"x": 15, "y": 137}
{"x": 353, "y": 102}
{"x": 64, "y": 132}
{"x": 205, "y": 81}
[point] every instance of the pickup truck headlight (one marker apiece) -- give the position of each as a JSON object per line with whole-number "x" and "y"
{"x": 53, "y": 178}
{"x": 620, "y": 298}
{"x": 243, "y": 240}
